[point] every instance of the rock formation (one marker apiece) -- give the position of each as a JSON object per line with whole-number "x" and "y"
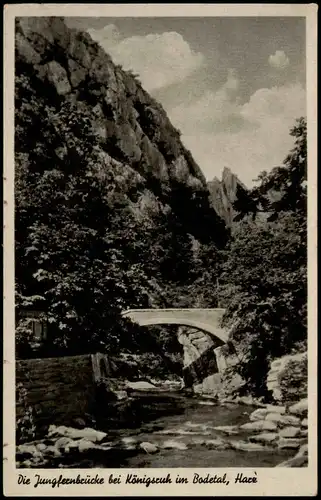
{"x": 224, "y": 193}
{"x": 136, "y": 139}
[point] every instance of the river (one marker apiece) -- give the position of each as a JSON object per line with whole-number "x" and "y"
{"x": 186, "y": 425}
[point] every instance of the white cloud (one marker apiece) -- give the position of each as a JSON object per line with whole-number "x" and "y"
{"x": 158, "y": 59}
{"x": 261, "y": 138}
{"x": 279, "y": 60}
{"x": 213, "y": 108}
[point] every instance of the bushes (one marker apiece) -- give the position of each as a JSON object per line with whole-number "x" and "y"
{"x": 25, "y": 426}
{"x": 293, "y": 379}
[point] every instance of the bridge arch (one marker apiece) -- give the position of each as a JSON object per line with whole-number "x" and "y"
{"x": 206, "y": 320}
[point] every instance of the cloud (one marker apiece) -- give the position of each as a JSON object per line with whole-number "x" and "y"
{"x": 247, "y": 137}
{"x": 211, "y": 110}
{"x": 159, "y": 59}
{"x": 279, "y": 60}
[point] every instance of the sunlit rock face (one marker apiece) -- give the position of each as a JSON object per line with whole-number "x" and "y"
{"x": 205, "y": 362}
{"x": 133, "y": 129}
{"x": 224, "y": 194}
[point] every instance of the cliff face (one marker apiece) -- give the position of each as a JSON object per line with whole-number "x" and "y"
{"x": 224, "y": 193}
{"x": 143, "y": 150}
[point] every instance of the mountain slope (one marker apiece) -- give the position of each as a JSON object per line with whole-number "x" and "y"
{"x": 132, "y": 128}
{"x": 111, "y": 209}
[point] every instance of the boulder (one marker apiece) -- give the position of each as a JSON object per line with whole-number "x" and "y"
{"x": 87, "y": 433}
{"x": 274, "y": 417}
{"x": 28, "y": 450}
{"x": 198, "y": 441}
{"x": 276, "y": 409}
{"x": 62, "y": 442}
{"x": 290, "y": 443}
{"x": 216, "y": 444}
{"x": 141, "y": 386}
{"x": 290, "y": 432}
{"x": 304, "y": 422}
{"x": 175, "y": 445}
{"x": 265, "y": 437}
{"x": 148, "y": 447}
{"x": 246, "y": 446}
{"x": 258, "y": 414}
{"x": 128, "y": 440}
{"x": 41, "y": 446}
{"x": 289, "y": 420}
{"x": 260, "y": 425}
{"x": 303, "y": 451}
{"x": 300, "y": 408}
{"x": 85, "y": 445}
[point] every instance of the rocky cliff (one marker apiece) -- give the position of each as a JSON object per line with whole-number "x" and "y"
{"x": 223, "y": 194}
{"x": 135, "y": 136}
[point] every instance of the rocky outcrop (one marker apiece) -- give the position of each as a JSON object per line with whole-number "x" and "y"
{"x": 224, "y": 193}
{"x": 135, "y": 136}
{"x": 206, "y": 362}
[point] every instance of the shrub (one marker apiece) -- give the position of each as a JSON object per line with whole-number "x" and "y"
{"x": 293, "y": 379}
{"x": 25, "y": 426}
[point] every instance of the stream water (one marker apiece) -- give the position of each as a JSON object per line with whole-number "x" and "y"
{"x": 187, "y": 424}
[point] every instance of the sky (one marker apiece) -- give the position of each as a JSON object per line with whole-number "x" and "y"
{"x": 233, "y": 86}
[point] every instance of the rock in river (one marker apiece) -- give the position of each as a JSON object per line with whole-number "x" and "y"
{"x": 246, "y": 446}
{"x": 290, "y": 443}
{"x": 265, "y": 437}
{"x": 300, "y": 408}
{"x": 274, "y": 417}
{"x": 148, "y": 447}
{"x": 260, "y": 425}
{"x": 176, "y": 445}
{"x": 290, "y": 432}
{"x": 289, "y": 420}
{"x": 140, "y": 386}
{"x": 70, "y": 432}
{"x": 258, "y": 414}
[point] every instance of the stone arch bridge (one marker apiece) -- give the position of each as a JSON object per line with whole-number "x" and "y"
{"x": 207, "y": 350}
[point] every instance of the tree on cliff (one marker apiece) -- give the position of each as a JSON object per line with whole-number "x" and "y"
{"x": 264, "y": 274}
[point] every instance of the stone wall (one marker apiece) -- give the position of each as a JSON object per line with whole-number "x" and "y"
{"x": 57, "y": 389}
